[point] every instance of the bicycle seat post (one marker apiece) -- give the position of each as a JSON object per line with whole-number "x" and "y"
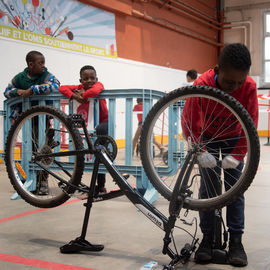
{"x": 219, "y": 252}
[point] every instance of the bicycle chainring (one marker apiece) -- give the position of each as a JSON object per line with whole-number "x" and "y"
{"x": 109, "y": 144}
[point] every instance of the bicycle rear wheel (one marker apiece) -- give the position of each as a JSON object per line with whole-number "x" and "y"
{"x": 165, "y": 122}
{"x": 43, "y": 130}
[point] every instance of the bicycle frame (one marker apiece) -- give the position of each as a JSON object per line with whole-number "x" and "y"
{"x": 164, "y": 223}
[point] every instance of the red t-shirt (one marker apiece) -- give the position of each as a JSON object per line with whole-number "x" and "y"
{"x": 139, "y": 108}
{"x": 67, "y": 90}
{"x": 195, "y": 107}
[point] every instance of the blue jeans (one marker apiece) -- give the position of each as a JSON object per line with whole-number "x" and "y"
{"x": 209, "y": 186}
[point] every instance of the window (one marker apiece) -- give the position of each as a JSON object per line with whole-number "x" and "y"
{"x": 266, "y": 59}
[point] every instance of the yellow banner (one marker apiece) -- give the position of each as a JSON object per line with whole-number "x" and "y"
{"x": 18, "y": 34}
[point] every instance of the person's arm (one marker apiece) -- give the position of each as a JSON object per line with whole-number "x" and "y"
{"x": 11, "y": 90}
{"x": 50, "y": 85}
{"x": 67, "y": 90}
{"x": 252, "y": 107}
{"x": 72, "y": 92}
{"x": 192, "y": 126}
{"x": 94, "y": 91}
{"x": 191, "y": 120}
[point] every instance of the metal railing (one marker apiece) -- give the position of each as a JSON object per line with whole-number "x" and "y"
{"x": 128, "y": 95}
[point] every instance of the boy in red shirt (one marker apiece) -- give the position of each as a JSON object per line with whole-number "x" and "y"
{"x": 231, "y": 76}
{"x": 90, "y": 87}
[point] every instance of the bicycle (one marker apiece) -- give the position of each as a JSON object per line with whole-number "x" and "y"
{"x": 178, "y": 180}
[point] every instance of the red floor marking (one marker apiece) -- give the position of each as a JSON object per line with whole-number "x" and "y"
{"x": 33, "y": 211}
{"x": 39, "y": 263}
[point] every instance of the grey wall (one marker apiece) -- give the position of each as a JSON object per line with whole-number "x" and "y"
{"x": 248, "y": 27}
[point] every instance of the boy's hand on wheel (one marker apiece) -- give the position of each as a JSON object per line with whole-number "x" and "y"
{"x": 206, "y": 160}
{"x": 229, "y": 162}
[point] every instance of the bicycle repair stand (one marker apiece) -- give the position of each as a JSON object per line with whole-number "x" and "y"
{"x": 80, "y": 244}
{"x": 219, "y": 254}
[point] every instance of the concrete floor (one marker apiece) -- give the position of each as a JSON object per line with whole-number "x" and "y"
{"x": 30, "y": 238}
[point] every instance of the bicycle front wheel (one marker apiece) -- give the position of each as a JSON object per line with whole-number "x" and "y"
{"x": 185, "y": 123}
{"x": 43, "y": 130}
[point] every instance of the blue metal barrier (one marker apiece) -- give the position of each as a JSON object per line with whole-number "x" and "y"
{"x": 148, "y": 96}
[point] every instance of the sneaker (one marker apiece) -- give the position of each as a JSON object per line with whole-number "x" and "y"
{"x": 237, "y": 255}
{"x": 101, "y": 191}
{"x": 204, "y": 252}
{"x": 43, "y": 190}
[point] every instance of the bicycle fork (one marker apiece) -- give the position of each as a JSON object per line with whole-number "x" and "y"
{"x": 176, "y": 204}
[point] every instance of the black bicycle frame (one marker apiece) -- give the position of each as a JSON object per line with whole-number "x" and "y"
{"x": 164, "y": 223}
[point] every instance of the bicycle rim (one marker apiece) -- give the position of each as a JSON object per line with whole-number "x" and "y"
{"x": 43, "y": 130}
{"x": 164, "y": 126}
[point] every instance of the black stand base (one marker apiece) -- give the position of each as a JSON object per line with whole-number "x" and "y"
{"x": 219, "y": 256}
{"x": 78, "y": 245}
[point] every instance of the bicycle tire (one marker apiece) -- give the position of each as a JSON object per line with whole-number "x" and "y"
{"x": 43, "y": 128}
{"x": 159, "y": 173}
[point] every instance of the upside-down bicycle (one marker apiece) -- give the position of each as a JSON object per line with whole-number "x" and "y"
{"x": 179, "y": 180}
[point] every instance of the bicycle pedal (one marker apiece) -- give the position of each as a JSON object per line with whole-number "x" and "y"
{"x": 77, "y": 120}
{"x": 75, "y": 116}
